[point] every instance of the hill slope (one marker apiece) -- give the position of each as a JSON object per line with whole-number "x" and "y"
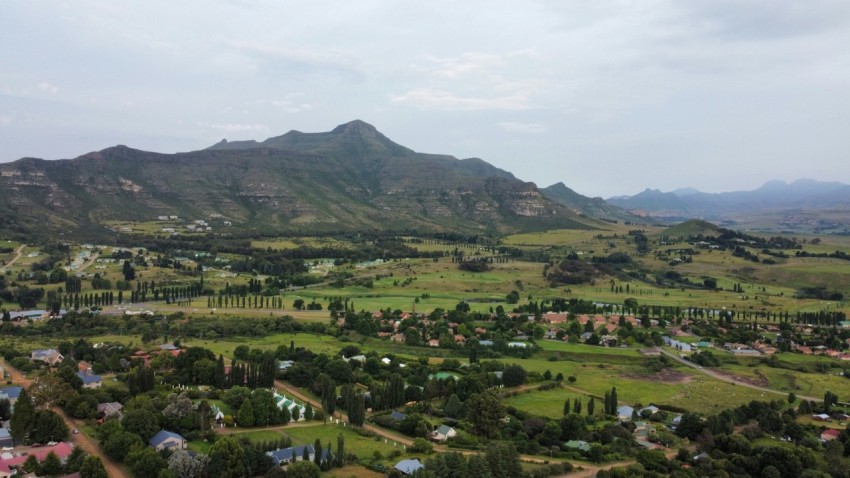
{"x": 350, "y": 179}
{"x": 593, "y": 207}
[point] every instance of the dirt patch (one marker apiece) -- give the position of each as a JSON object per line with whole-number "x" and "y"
{"x": 759, "y": 381}
{"x": 664, "y": 376}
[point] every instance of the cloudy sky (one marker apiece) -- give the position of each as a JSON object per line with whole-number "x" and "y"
{"x": 608, "y": 97}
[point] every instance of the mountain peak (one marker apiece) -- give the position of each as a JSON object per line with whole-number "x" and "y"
{"x": 357, "y": 127}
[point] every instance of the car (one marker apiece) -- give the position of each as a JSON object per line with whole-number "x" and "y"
{"x": 51, "y": 443}
{"x": 75, "y": 431}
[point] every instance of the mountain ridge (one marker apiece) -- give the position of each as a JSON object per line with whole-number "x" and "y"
{"x": 772, "y": 196}
{"x": 352, "y": 178}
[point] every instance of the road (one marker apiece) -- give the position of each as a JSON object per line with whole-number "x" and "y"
{"x": 80, "y": 439}
{"x": 728, "y": 379}
{"x": 18, "y": 254}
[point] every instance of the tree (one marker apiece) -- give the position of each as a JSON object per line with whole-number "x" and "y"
{"x": 317, "y": 448}
{"x": 503, "y": 461}
{"x": 453, "y": 408}
{"x": 245, "y": 416}
{"x": 23, "y": 419}
{"x": 514, "y": 375}
{"x": 591, "y": 405}
{"x": 144, "y": 462}
{"x": 128, "y": 271}
{"x": 48, "y": 390}
{"x": 484, "y": 412}
{"x": 308, "y": 412}
{"x": 51, "y": 465}
{"x": 92, "y": 467}
{"x": 357, "y": 410}
{"x": 567, "y": 407}
{"x": 48, "y": 426}
{"x": 120, "y": 443}
{"x": 302, "y": 469}
{"x": 141, "y": 421}
{"x": 226, "y": 459}
{"x": 184, "y": 465}
{"x": 340, "y": 450}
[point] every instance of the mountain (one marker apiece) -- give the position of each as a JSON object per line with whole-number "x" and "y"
{"x": 350, "y": 179}
{"x": 773, "y": 196}
{"x": 592, "y": 207}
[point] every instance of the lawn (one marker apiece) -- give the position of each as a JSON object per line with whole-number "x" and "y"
{"x": 548, "y": 403}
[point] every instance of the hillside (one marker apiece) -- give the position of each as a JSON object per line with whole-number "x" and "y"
{"x": 350, "y": 179}
{"x": 690, "y": 228}
{"x": 593, "y": 207}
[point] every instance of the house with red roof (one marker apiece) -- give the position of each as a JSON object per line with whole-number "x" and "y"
{"x": 829, "y": 435}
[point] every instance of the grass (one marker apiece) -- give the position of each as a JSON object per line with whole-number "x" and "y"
{"x": 548, "y": 403}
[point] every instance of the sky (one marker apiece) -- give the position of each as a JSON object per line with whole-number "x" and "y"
{"x": 609, "y": 97}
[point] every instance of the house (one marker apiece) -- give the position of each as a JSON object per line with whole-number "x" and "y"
{"x": 397, "y": 416}
{"x": 284, "y": 364}
{"x": 90, "y": 380}
{"x": 840, "y": 416}
{"x": 407, "y": 467}
{"x": 356, "y": 358}
{"x": 11, "y": 393}
{"x": 485, "y": 343}
{"x": 296, "y": 411}
{"x": 829, "y": 435}
{"x": 443, "y": 433}
{"x": 84, "y": 366}
{"x": 168, "y": 347}
{"x": 5, "y": 438}
{"x": 433, "y": 343}
{"x": 579, "y": 445}
{"x": 62, "y": 450}
{"x": 284, "y": 456}
{"x": 520, "y": 345}
{"x": 625, "y": 412}
{"x": 823, "y": 417}
{"x": 164, "y": 440}
{"x": 49, "y": 356}
{"x": 110, "y": 409}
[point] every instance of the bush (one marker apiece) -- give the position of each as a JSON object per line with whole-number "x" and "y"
{"x": 421, "y": 445}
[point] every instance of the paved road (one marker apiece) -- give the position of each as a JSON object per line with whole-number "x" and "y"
{"x": 728, "y": 379}
{"x": 80, "y": 439}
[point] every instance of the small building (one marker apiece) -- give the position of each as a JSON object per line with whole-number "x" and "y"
{"x": 110, "y": 409}
{"x": 485, "y": 343}
{"x": 49, "y": 356}
{"x": 284, "y": 364}
{"x": 11, "y": 393}
{"x": 821, "y": 417}
{"x": 519, "y": 345}
{"x": 407, "y": 467}
{"x": 90, "y": 380}
{"x": 84, "y": 366}
{"x": 579, "y": 445}
{"x": 829, "y": 435}
{"x": 397, "y": 416}
{"x": 443, "y": 433}
{"x": 625, "y": 412}
{"x": 285, "y": 456}
{"x": 5, "y": 438}
{"x": 164, "y": 440}
{"x": 650, "y": 410}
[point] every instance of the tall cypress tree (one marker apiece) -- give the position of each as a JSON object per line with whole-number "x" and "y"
{"x": 23, "y": 418}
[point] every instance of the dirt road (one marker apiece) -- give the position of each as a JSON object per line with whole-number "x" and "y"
{"x": 80, "y": 439}
{"x": 18, "y": 254}
{"x": 728, "y": 379}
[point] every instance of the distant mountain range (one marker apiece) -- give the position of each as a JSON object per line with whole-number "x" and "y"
{"x": 800, "y": 195}
{"x": 350, "y": 179}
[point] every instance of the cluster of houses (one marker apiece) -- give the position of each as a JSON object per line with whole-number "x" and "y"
{"x": 10, "y": 462}
{"x": 821, "y": 350}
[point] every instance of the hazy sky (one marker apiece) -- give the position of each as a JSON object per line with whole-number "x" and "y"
{"x": 608, "y": 97}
